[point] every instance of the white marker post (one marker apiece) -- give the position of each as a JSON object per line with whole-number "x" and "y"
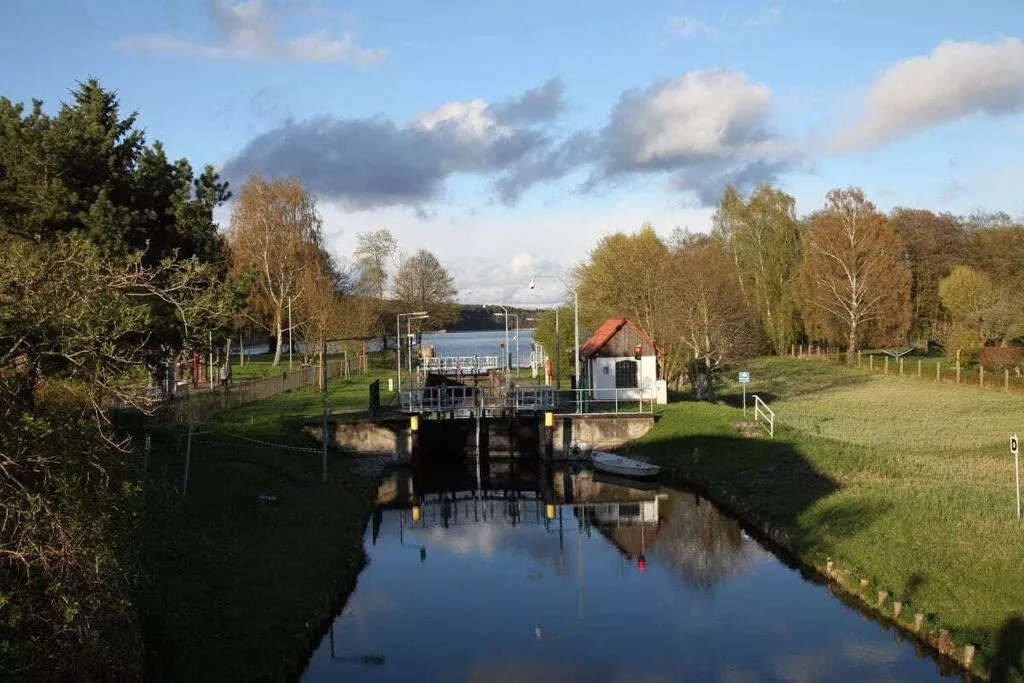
{"x": 744, "y": 379}
{"x": 1015, "y": 449}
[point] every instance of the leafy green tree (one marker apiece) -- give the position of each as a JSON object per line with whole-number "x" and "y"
{"x": 624, "y": 275}
{"x": 71, "y": 320}
{"x": 762, "y": 236}
{"x": 88, "y": 170}
{"x": 558, "y": 345}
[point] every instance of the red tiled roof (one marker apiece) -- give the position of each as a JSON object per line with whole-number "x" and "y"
{"x": 609, "y": 328}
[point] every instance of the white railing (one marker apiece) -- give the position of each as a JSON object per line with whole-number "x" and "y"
{"x": 764, "y": 415}
{"x": 607, "y": 400}
{"x": 461, "y": 365}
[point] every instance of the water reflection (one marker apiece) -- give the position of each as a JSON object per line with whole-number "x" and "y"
{"x": 516, "y": 571}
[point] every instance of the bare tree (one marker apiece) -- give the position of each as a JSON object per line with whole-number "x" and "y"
{"x": 708, "y": 321}
{"x": 854, "y": 268}
{"x": 275, "y": 235}
{"x": 423, "y": 284}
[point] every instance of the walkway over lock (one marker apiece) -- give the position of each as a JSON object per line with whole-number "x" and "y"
{"x": 461, "y": 365}
{"x": 467, "y": 401}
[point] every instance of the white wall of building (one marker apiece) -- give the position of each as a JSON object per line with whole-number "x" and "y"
{"x": 602, "y": 374}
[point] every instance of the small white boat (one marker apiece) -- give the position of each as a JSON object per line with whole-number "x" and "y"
{"x": 624, "y": 467}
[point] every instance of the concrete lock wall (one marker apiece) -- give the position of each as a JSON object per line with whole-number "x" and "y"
{"x": 599, "y": 432}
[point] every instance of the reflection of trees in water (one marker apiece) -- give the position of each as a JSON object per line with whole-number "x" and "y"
{"x": 699, "y": 544}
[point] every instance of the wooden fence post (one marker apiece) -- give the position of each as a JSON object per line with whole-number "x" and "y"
{"x": 901, "y": 367}
{"x": 858, "y": 358}
{"x": 871, "y": 362}
{"x": 981, "y": 376}
{"x": 938, "y": 371}
{"x": 886, "y": 365}
{"x": 958, "y": 372}
{"x": 918, "y": 367}
{"x": 1006, "y": 379}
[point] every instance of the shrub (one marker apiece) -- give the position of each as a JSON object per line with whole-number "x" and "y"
{"x": 1003, "y": 357}
{"x": 966, "y": 341}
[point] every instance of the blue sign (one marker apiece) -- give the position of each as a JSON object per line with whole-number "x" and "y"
{"x": 744, "y": 377}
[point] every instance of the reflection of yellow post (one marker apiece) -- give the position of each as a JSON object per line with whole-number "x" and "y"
{"x": 549, "y": 511}
{"x": 416, "y": 514}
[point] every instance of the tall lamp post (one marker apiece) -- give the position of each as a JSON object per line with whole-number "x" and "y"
{"x": 515, "y": 339}
{"x": 398, "y": 342}
{"x": 505, "y": 314}
{"x": 408, "y": 328}
{"x": 576, "y": 325}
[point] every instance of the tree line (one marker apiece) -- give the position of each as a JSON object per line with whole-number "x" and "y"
{"x": 847, "y": 275}
{"x": 112, "y": 270}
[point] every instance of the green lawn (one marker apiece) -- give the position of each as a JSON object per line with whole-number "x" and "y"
{"x": 903, "y": 483}
{"x": 236, "y": 591}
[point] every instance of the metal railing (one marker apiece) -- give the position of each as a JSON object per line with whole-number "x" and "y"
{"x": 470, "y": 399}
{"x": 526, "y": 398}
{"x": 197, "y": 406}
{"x": 764, "y": 415}
{"x": 461, "y": 365}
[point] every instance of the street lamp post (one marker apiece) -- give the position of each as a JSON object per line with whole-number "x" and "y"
{"x": 576, "y": 327}
{"x": 398, "y": 343}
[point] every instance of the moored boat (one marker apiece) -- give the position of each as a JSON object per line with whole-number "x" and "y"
{"x": 623, "y": 467}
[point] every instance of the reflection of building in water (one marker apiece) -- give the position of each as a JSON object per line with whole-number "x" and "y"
{"x": 688, "y": 536}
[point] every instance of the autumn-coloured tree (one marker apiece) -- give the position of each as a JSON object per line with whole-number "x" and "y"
{"x": 933, "y": 244}
{"x": 762, "y": 236}
{"x": 275, "y": 235}
{"x": 707, "y": 320}
{"x": 854, "y": 268}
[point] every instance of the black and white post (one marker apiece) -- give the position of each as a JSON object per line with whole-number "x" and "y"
{"x": 1015, "y": 449}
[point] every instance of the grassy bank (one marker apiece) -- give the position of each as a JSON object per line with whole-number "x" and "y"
{"x": 904, "y": 484}
{"x": 234, "y": 590}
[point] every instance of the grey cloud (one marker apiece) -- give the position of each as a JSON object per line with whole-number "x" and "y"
{"x": 544, "y": 103}
{"x": 703, "y": 130}
{"x": 708, "y": 182}
{"x": 551, "y": 163}
{"x": 369, "y": 163}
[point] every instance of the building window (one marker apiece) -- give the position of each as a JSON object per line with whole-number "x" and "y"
{"x": 626, "y": 374}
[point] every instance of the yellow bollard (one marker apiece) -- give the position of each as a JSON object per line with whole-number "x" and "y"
{"x": 414, "y": 423}
{"x": 549, "y": 511}
{"x": 549, "y": 419}
{"x": 416, "y": 513}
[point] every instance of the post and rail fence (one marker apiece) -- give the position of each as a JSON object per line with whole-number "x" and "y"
{"x": 199, "y": 405}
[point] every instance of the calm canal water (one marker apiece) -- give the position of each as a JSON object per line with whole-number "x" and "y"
{"x": 481, "y": 581}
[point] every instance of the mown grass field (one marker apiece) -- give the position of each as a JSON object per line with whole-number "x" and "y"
{"x": 236, "y": 591}
{"x": 903, "y": 483}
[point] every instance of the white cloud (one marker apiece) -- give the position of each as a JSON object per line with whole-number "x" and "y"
{"x": 956, "y": 80}
{"x": 709, "y": 127}
{"x": 688, "y": 27}
{"x": 249, "y": 31}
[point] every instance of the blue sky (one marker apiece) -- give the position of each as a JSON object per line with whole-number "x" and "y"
{"x": 508, "y": 135}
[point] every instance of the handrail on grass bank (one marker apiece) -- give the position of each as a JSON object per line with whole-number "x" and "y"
{"x": 764, "y": 415}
